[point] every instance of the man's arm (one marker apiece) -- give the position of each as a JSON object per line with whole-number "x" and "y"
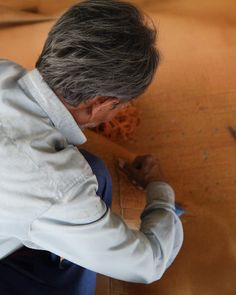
{"x": 106, "y": 245}
{"x": 145, "y": 173}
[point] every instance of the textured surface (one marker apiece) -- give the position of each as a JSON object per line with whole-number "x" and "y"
{"x": 186, "y": 111}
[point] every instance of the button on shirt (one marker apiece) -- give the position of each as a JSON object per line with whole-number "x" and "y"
{"x": 48, "y": 191}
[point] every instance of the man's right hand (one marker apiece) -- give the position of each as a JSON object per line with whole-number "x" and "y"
{"x": 143, "y": 170}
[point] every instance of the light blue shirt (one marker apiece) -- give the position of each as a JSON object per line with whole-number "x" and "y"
{"x": 48, "y": 191}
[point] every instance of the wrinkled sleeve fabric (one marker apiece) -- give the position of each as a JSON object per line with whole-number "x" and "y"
{"x": 105, "y": 244}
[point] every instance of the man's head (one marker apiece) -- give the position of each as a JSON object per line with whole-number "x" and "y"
{"x": 99, "y": 55}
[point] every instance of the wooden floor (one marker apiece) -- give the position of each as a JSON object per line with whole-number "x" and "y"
{"x": 185, "y": 116}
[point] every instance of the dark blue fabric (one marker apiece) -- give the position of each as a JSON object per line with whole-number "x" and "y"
{"x": 35, "y": 272}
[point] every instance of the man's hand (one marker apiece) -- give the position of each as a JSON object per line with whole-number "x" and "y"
{"x": 143, "y": 170}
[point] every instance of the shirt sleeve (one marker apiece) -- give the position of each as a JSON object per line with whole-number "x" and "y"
{"x": 105, "y": 244}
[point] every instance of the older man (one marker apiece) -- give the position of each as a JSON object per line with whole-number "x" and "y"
{"x": 54, "y": 198}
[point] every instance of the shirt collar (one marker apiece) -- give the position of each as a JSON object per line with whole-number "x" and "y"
{"x": 33, "y": 82}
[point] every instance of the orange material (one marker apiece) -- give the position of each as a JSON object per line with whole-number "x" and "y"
{"x": 122, "y": 126}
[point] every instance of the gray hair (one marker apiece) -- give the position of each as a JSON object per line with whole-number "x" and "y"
{"x": 99, "y": 48}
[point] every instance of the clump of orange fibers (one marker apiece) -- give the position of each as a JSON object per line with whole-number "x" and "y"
{"x": 123, "y": 125}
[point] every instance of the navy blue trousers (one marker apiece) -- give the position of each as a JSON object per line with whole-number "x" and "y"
{"x": 36, "y": 272}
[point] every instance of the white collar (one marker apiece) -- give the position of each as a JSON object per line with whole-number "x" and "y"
{"x": 33, "y": 82}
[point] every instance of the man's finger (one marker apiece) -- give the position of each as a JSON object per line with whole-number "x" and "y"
{"x": 141, "y": 161}
{"x": 126, "y": 168}
{"x": 121, "y": 163}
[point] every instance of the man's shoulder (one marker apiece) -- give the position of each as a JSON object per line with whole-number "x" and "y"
{"x": 4, "y": 62}
{"x": 10, "y": 71}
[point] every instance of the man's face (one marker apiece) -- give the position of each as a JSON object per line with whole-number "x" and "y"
{"x": 96, "y": 111}
{"x": 106, "y": 113}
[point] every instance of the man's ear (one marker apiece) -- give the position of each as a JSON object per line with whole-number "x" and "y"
{"x": 103, "y": 104}
{"x": 87, "y": 110}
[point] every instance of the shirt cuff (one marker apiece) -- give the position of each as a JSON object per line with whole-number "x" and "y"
{"x": 160, "y": 191}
